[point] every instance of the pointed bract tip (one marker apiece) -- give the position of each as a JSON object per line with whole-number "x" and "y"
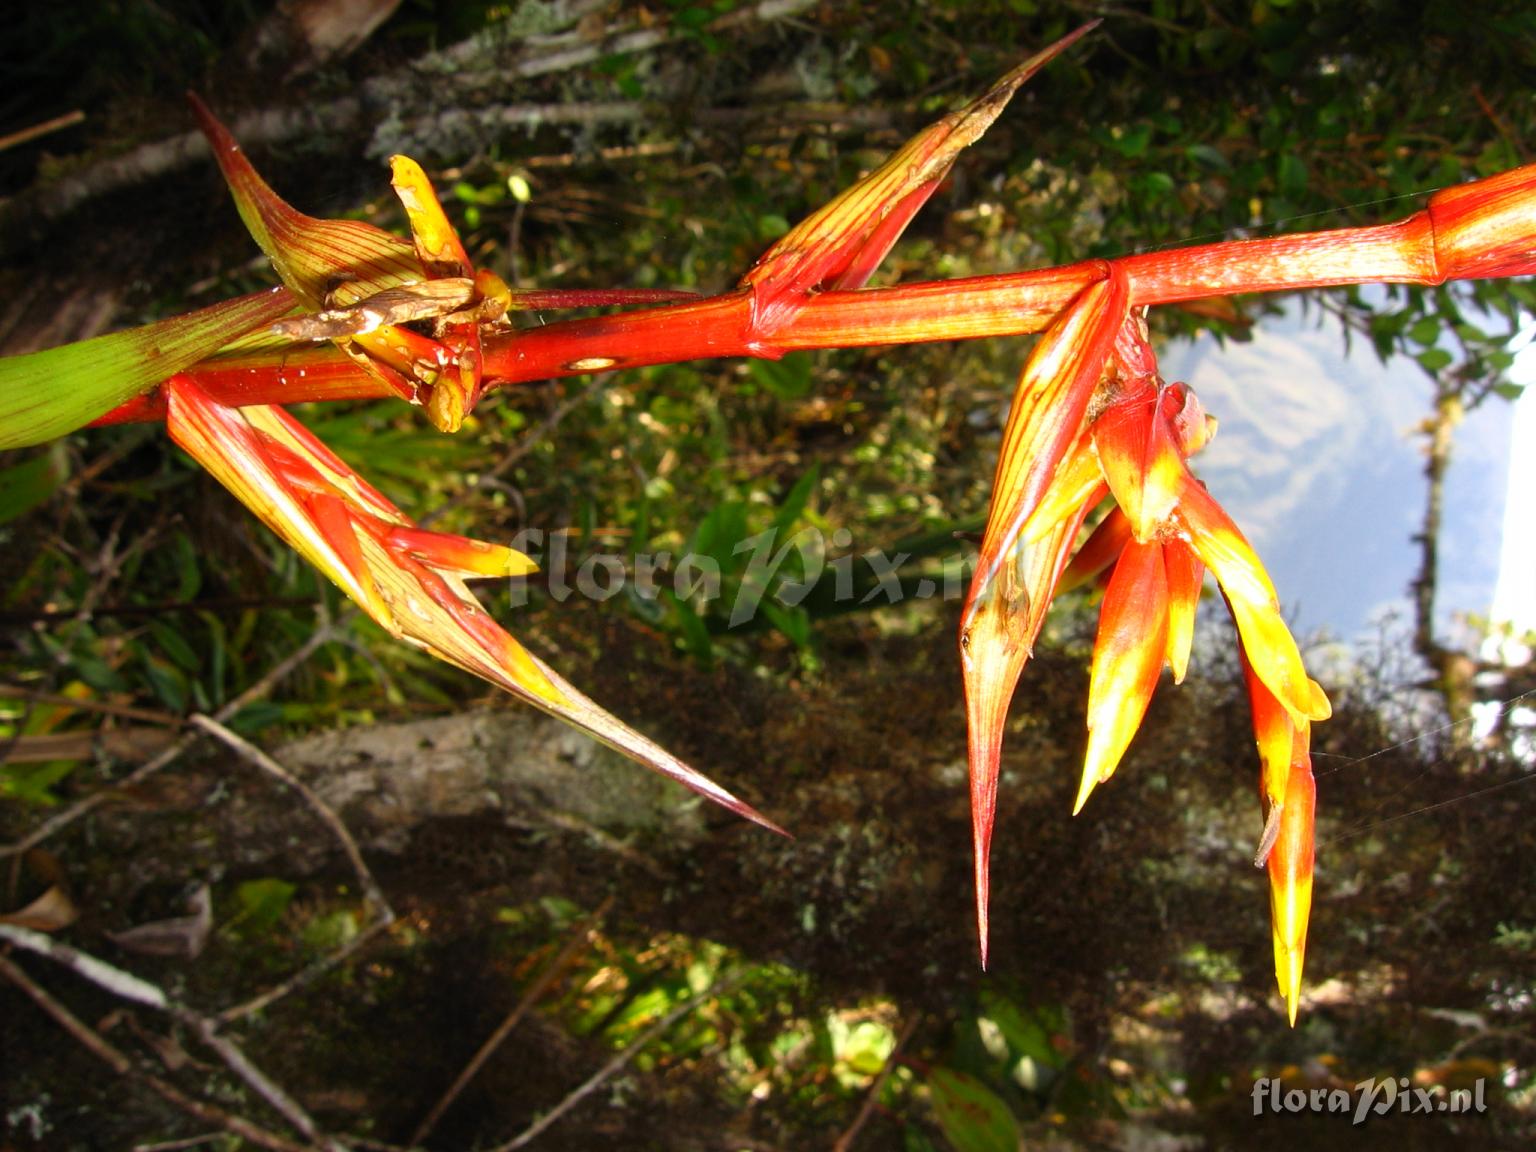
{"x": 983, "y": 895}
{"x": 1085, "y": 788}
{"x": 984, "y": 765}
{"x": 994, "y": 645}
{"x": 1288, "y": 967}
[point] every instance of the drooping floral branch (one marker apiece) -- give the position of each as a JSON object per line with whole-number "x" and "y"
{"x": 363, "y": 313}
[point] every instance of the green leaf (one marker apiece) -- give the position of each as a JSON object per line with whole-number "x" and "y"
{"x": 771, "y": 226}
{"x": 786, "y": 379}
{"x": 794, "y": 623}
{"x": 26, "y": 485}
{"x": 189, "y": 575}
{"x": 44, "y": 395}
{"x": 328, "y": 932}
{"x": 794, "y": 504}
{"x": 174, "y": 645}
{"x": 970, "y": 1114}
{"x": 1292, "y": 175}
{"x": 694, "y": 633}
{"x": 263, "y": 902}
{"x": 1425, "y": 331}
{"x": 1434, "y": 359}
{"x": 253, "y": 718}
{"x": 1026, "y": 1035}
{"x": 1133, "y": 141}
{"x": 644, "y": 1009}
{"x": 868, "y": 1046}
{"x": 169, "y": 685}
{"x": 719, "y": 532}
{"x": 1209, "y": 157}
{"x": 33, "y": 783}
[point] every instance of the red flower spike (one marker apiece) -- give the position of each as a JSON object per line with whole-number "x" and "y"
{"x": 1185, "y": 574}
{"x": 1192, "y": 428}
{"x": 1163, "y": 533}
{"x": 365, "y": 284}
{"x": 1079, "y": 481}
{"x": 413, "y": 357}
{"x": 1014, "y": 581}
{"x": 841, "y": 244}
{"x": 457, "y": 386}
{"x": 438, "y": 246}
{"x": 1165, "y": 470}
{"x": 1119, "y": 437}
{"x": 1274, "y": 734}
{"x": 458, "y": 555}
{"x": 338, "y": 525}
{"x": 1290, "y": 868}
{"x": 1127, "y": 659}
{"x": 1142, "y": 457}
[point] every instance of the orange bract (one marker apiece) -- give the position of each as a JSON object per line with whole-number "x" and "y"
{"x": 1130, "y": 436}
{"x": 410, "y": 581}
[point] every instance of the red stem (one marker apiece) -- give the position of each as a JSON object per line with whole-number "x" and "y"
{"x": 1478, "y": 229}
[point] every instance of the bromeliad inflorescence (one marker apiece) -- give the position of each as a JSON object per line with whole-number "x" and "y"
{"x": 1091, "y": 421}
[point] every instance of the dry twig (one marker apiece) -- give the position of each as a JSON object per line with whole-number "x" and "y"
{"x": 872, "y": 1097}
{"x": 306, "y": 975}
{"x": 618, "y": 1063}
{"x": 528, "y": 999}
{"x": 44, "y": 128}
{"x": 120, "y": 1063}
{"x": 325, "y": 632}
{"x": 127, "y": 986}
{"x": 254, "y": 755}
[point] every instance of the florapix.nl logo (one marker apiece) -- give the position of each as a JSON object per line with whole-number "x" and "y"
{"x": 734, "y": 579}
{"x": 1367, "y": 1099}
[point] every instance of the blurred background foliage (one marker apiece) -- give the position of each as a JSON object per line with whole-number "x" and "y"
{"x": 1130, "y": 1003}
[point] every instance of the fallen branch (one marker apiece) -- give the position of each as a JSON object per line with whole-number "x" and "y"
{"x": 449, "y": 77}
{"x": 127, "y": 986}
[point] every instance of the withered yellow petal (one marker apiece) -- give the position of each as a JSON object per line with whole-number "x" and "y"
{"x": 438, "y": 246}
